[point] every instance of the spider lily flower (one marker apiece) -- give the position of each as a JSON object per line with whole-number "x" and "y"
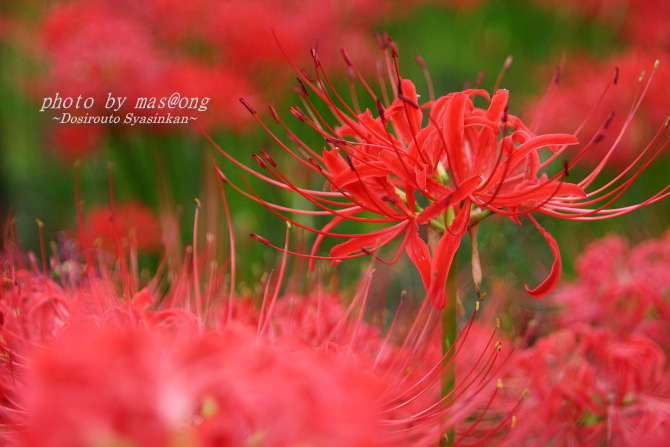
{"x": 179, "y": 358}
{"x": 442, "y": 164}
{"x": 591, "y": 386}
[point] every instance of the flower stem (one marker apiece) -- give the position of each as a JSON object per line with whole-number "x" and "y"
{"x": 449, "y": 326}
{"x": 449, "y": 319}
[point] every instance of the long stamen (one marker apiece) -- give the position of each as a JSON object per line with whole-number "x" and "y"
{"x": 503, "y": 71}
{"x": 426, "y": 75}
{"x": 264, "y": 318}
{"x": 264, "y": 241}
{"x": 231, "y": 241}
{"x": 40, "y": 229}
{"x": 196, "y": 261}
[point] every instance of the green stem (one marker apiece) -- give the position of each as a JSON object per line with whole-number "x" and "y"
{"x": 449, "y": 319}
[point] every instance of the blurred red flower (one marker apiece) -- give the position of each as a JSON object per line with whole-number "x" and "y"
{"x": 198, "y": 49}
{"x": 591, "y": 386}
{"x": 131, "y": 222}
{"x": 583, "y": 82}
{"x": 627, "y": 289}
{"x": 185, "y": 360}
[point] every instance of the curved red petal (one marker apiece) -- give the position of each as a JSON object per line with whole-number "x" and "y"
{"x": 552, "y": 280}
{"x": 419, "y": 254}
{"x": 444, "y": 255}
{"x": 372, "y": 240}
{"x": 461, "y": 193}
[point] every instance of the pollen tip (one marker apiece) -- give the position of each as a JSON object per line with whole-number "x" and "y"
{"x": 39, "y": 223}
{"x": 513, "y": 424}
{"x": 499, "y": 384}
{"x": 477, "y": 306}
{"x": 295, "y": 111}
{"x": 273, "y": 112}
{"x": 248, "y": 106}
{"x": 392, "y": 47}
{"x": 315, "y": 56}
{"x": 480, "y": 78}
{"x": 409, "y": 102}
{"x": 557, "y": 75}
{"x": 268, "y": 158}
{"x": 306, "y": 76}
{"x": 497, "y": 322}
{"x": 388, "y": 199}
{"x": 656, "y": 64}
{"x": 259, "y": 160}
{"x": 260, "y": 239}
{"x": 303, "y": 89}
{"x": 197, "y": 203}
{"x": 345, "y": 56}
{"x": 380, "y": 110}
{"x": 382, "y": 40}
{"x": 349, "y": 162}
{"x": 336, "y": 141}
{"x": 221, "y": 175}
{"x": 508, "y": 62}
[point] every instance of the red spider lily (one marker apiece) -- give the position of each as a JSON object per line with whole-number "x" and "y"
{"x": 577, "y": 86}
{"x": 464, "y": 161}
{"x": 597, "y": 372}
{"x": 195, "y": 363}
{"x": 130, "y": 220}
{"x": 591, "y": 386}
{"x": 628, "y": 288}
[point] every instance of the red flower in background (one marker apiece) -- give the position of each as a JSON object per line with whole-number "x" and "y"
{"x": 583, "y": 82}
{"x": 71, "y": 142}
{"x": 640, "y": 24}
{"x": 198, "y": 49}
{"x": 131, "y": 222}
{"x": 596, "y": 372}
{"x": 590, "y": 386}
{"x": 92, "y": 50}
{"x": 443, "y": 164}
{"x": 627, "y": 289}
{"x": 642, "y": 29}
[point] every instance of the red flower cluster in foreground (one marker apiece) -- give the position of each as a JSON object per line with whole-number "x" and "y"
{"x": 93, "y": 356}
{"x": 602, "y": 376}
{"x": 442, "y": 165}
